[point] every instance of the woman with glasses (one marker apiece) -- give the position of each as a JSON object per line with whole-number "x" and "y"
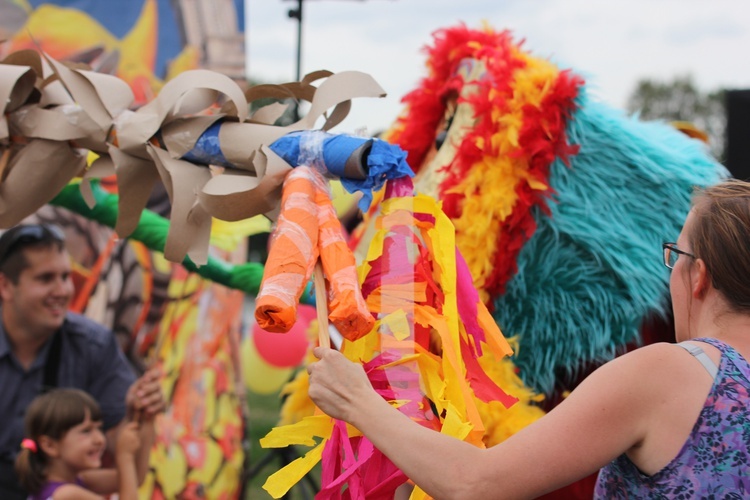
{"x": 666, "y": 420}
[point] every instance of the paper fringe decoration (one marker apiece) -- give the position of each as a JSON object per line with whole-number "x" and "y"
{"x": 432, "y": 328}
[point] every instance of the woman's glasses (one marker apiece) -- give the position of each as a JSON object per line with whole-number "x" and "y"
{"x": 671, "y": 253}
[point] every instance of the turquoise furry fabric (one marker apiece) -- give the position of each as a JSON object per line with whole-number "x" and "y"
{"x": 593, "y": 270}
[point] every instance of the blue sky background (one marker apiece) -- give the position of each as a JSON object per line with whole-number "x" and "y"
{"x": 612, "y": 43}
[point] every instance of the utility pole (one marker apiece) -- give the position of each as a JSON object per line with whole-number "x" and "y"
{"x": 297, "y": 14}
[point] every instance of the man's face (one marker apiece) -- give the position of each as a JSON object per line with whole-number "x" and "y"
{"x": 38, "y": 302}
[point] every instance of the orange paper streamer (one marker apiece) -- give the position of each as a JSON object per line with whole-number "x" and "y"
{"x": 308, "y": 229}
{"x": 293, "y": 253}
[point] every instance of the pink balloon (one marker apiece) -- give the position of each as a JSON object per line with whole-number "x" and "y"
{"x": 306, "y": 313}
{"x": 282, "y": 350}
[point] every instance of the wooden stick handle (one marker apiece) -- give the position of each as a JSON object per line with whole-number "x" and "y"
{"x": 321, "y": 305}
{"x": 4, "y": 160}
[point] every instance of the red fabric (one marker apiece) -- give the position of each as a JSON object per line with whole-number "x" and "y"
{"x": 542, "y": 138}
{"x": 583, "y": 489}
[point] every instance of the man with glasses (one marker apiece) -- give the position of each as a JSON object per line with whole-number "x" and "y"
{"x": 43, "y": 346}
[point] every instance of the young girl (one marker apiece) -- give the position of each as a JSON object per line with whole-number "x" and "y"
{"x": 61, "y": 456}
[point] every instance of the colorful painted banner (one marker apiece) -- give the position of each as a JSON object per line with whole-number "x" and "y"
{"x": 161, "y": 313}
{"x": 142, "y": 42}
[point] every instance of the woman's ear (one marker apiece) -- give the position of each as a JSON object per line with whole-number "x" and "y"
{"x": 701, "y": 280}
{"x": 50, "y": 447}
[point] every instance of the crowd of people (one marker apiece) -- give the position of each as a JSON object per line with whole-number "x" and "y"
{"x": 665, "y": 420}
{"x": 51, "y": 436}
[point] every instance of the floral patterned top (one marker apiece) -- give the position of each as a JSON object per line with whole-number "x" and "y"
{"x": 714, "y": 462}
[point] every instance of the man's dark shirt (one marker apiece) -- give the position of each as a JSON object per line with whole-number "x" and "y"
{"x": 90, "y": 360}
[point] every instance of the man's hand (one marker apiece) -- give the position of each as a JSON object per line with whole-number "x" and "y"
{"x": 144, "y": 397}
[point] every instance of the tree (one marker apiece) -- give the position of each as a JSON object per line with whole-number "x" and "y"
{"x": 680, "y": 100}
{"x": 287, "y": 118}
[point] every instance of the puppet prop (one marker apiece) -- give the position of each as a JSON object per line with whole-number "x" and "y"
{"x": 424, "y": 353}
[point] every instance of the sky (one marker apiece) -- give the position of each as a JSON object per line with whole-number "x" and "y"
{"x": 611, "y": 43}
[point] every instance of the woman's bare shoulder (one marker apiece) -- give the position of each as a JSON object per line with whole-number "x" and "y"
{"x": 643, "y": 374}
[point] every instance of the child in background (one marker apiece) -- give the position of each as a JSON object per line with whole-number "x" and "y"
{"x": 61, "y": 456}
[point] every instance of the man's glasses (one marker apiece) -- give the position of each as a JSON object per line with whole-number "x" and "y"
{"x": 671, "y": 253}
{"x": 27, "y": 235}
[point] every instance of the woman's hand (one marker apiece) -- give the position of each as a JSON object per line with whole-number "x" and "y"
{"x": 337, "y": 385}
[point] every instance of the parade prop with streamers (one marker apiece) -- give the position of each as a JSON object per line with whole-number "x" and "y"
{"x": 560, "y": 204}
{"x": 423, "y": 353}
{"x": 50, "y": 111}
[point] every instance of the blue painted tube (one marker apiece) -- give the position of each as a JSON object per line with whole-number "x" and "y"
{"x": 207, "y": 149}
{"x": 333, "y": 155}
{"x": 373, "y": 161}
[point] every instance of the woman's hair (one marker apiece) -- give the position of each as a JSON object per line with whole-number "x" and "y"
{"x": 52, "y": 414}
{"x": 720, "y": 236}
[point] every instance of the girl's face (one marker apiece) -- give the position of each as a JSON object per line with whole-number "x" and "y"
{"x": 81, "y": 448}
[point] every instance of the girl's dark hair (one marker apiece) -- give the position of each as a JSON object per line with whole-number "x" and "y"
{"x": 52, "y": 414}
{"x": 720, "y": 236}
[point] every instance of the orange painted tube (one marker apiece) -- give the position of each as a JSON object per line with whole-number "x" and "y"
{"x": 347, "y": 309}
{"x": 293, "y": 252}
{"x": 308, "y": 229}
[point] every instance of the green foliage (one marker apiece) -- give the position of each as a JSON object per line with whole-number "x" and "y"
{"x": 681, "y": 100}
{"x": 287, "y": 118}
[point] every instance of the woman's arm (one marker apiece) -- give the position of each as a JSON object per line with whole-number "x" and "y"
{"x": 604, "y": 417}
